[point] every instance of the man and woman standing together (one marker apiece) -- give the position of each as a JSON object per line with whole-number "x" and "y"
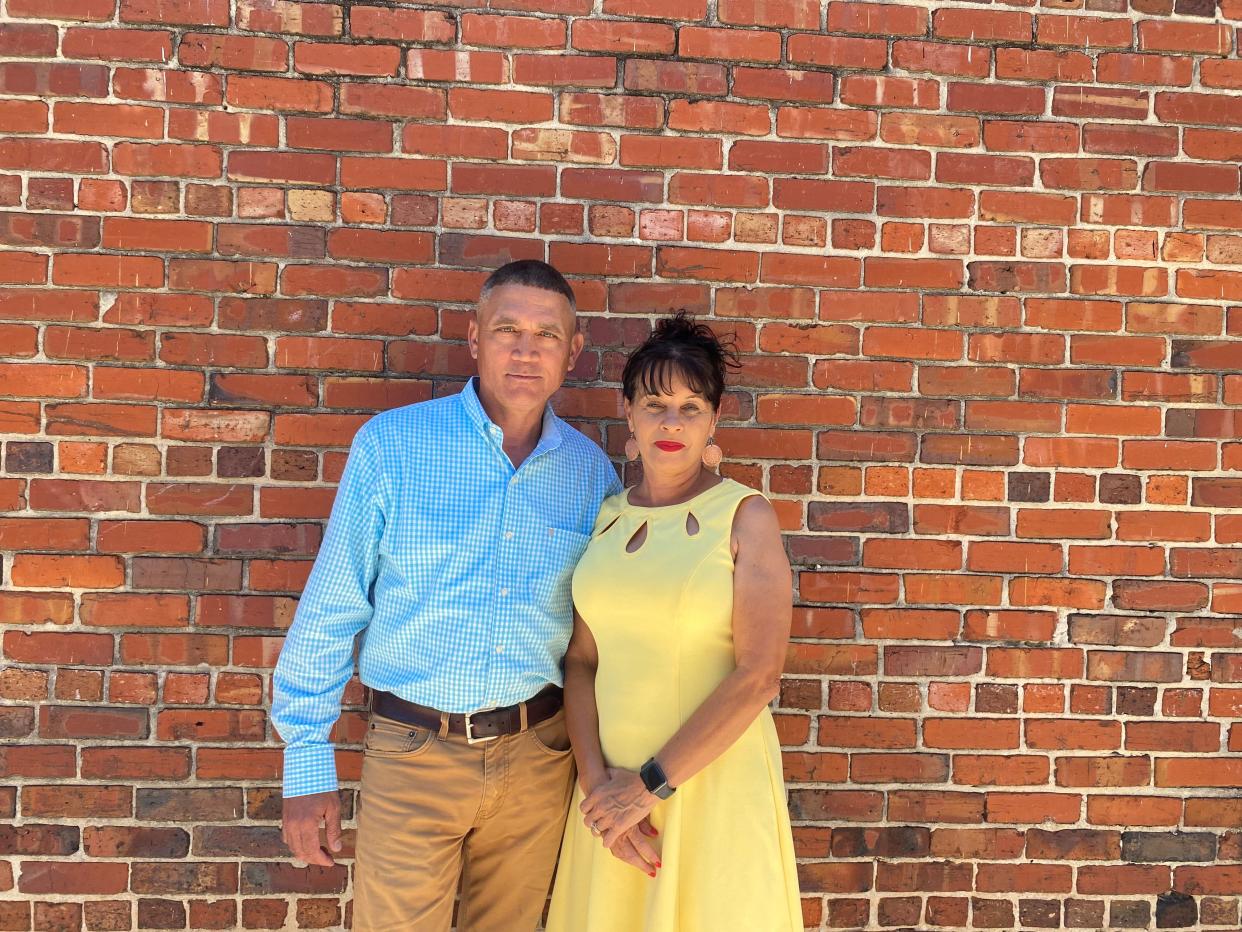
{"x": 521, "y": 613}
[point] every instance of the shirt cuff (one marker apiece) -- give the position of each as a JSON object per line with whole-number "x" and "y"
{"x": 309, "y": 769}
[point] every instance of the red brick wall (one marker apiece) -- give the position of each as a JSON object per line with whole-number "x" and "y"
{"x": 983, "y": 262}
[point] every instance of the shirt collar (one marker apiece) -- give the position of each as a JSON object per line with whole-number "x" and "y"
{"x": 549, "y": 437}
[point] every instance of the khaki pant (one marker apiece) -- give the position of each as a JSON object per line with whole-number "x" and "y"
{"x": 435, "y": 810}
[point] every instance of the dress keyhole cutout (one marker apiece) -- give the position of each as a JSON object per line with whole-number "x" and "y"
{"x": 692, "y": 524}
{"x": 609, "y": 526}
{"x": 637, "y": 540}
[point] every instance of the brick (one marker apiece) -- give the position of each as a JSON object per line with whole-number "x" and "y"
{"x": 54, "y": 79}
{"x": 184, "y": 498}
{"x": 1143, "y": 70}
{"x": 332, "y": 281}
{"x": 620, "y": 37}
{"x": 1202, "y": 38}
{"x": 283, "y": 16}
{"x": 884, "y": 19}
{"x": 982, "y": 25}
{"x": 969, "y": 168}
{"x": 172, "y": 877}
{"x": 867, "y": 91}
{"x": 116, "y": 120}
{"x": 94, "y": 802}
{"x": 172, "y": 86}
{"x": 201, "y": 50}
{"x": 995, "y": 98}
{"x": 675, "y": 77}
{"x": 1105, "y": 103}
{"x": 24, "y": 116}
{"x": 565, "y": 70}
{"x": 29, "y": 39}
{"x": 1043, "y": 64}
{"x": 326, "y": 58}
{"x": 837, "y": 51}
{"x": 937, "y": 203}
{"x": 1082, "y": 31}
{"x": 818, "y": 123}
{"x": 664, "y": 152}
{"x": 733, "y": 44}
{"x": 85, "y": 572}
{"x": 101, "y": 879}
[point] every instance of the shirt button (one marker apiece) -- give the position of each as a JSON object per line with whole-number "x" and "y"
{"x": 500, "y": 648}
{"x": 504, "y": 591}
{"x": 508, "y": 535}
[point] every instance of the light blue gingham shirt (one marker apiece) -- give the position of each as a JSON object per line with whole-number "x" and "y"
{"x": 456, "y": 565}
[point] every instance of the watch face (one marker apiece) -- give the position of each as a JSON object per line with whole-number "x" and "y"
{"x": 654, "y": 780}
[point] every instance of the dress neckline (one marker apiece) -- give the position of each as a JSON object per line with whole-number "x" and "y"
{"x": 693, "y": 498}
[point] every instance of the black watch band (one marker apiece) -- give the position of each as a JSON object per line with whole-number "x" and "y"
{"x": 655, "y": 780}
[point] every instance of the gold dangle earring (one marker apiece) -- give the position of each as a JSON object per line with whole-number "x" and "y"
{"x": 712, "y": 454}
{"x": 631, "y": 449}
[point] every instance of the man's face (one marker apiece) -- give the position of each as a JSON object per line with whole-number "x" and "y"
{"x": 525, "y": 342}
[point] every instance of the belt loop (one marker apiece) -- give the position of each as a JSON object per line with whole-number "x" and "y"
{"x": 444, "y": 723}
{"x": 523, "y": 721}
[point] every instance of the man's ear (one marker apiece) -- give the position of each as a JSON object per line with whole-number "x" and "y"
{"x": 576, "y": 342}
{"x": 472, "y": 336}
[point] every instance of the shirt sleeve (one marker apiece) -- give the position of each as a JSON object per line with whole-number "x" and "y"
{"x": 614, "y": 484}
{"x": 317, "y": 658}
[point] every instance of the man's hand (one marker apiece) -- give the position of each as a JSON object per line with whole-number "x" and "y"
{"x": 301, "y": 818}
{"x": 634, "y": 849}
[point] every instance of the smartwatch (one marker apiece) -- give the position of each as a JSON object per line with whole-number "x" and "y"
{"x": 655, "y": 780}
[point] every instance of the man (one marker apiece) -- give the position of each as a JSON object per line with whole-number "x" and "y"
{"x": 451, "y": 543}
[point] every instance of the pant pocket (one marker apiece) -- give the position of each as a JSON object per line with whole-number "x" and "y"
{"x": 387, "y": 737}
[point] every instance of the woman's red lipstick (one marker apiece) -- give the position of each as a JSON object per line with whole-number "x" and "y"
{"x": 670, "y": 446}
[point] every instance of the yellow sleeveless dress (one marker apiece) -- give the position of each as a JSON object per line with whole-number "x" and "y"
{"x": 662, "y": 621}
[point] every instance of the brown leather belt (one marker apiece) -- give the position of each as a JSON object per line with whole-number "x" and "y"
{"x": 483, "y": 725}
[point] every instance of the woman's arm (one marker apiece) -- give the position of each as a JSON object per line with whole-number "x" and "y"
{"x": 762, "y": 614}
{"x": 581, "y": 714}
{"x": 582, "y": 722}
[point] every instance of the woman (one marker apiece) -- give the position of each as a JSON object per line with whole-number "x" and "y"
{"x": 682, "y": 614}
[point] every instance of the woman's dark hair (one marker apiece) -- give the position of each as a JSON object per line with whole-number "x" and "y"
{"x": 680, "y": 346}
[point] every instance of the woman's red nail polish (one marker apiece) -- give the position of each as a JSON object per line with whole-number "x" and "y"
{"x": 658, "y": 864}
{"x": 652, "y": 874}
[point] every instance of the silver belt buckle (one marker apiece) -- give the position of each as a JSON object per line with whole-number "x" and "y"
{"x": 470, "y": 738}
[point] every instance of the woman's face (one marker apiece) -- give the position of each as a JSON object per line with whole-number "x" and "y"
{"x": 671, "y": 428}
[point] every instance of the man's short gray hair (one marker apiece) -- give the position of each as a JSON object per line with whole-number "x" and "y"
{"x": 533, "y": 273}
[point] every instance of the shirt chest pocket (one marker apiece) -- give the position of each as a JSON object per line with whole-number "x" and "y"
{"x": 555, "y": 553}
